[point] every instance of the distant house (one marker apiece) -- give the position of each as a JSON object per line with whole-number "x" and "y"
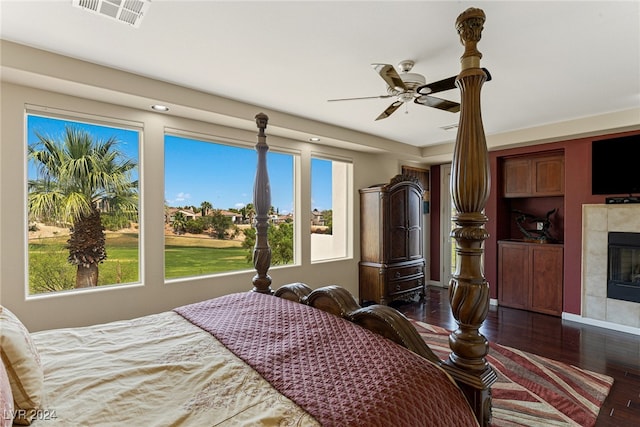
{"x": 279, "y": 219}
{"x": 236, "y": 217}
{"x": 316, "y": 218}
{"x": 170, "y": 214}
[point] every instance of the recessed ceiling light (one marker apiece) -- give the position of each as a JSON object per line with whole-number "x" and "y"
{"x": 158, "y": 107}
{"x": 451, "y": 127}
{"x": 314, "y": 139}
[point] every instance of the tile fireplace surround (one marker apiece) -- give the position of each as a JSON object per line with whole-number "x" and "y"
{"x": 597, "y": 309}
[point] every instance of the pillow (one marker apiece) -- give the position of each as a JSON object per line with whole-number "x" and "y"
{"x": 6, "y": 399}
{"x": 22, "y": 362}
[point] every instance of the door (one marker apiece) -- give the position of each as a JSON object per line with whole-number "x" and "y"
{"x": 448, "y": 244}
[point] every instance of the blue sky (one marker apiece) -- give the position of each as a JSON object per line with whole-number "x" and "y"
{"x": 197, "y": 171}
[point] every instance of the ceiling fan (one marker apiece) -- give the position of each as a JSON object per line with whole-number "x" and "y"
{"x": 407, "y": 86}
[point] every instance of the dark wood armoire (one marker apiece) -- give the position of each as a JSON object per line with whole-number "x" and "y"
{"x": 392, "y": 262}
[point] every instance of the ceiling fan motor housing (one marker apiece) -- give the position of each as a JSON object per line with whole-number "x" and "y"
{"x": 411, "y": 81}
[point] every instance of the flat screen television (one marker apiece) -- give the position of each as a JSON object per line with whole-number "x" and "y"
{"x": 615, "y": 165}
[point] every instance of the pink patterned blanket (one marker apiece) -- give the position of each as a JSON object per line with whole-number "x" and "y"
{"x": 340, "y": 373}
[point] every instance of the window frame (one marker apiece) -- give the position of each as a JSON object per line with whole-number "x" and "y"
{"x": 250, "y": 145}
{"x": 91, "y": 120}
{"x": 347, "y": 208}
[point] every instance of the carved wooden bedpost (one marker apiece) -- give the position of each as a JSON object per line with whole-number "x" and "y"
{"x": 262, "y": 204}
{"x": 470, "y": 182}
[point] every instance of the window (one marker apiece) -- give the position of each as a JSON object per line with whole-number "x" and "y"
{"x": 209, "y": 207}
{"x": 331, "y": 209}
{"x": 83, "y": 203}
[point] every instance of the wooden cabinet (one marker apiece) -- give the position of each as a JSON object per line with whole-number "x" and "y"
{"x": 391, "y": 241}
{"x": 530, "y": 276}
{"x": 533, "y": 176}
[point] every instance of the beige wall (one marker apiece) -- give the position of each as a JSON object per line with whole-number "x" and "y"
{"x": 153, "y": 294}
{"x": 34, "y": 77}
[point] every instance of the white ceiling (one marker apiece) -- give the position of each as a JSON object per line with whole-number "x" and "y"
{"x": 550, "y": 61}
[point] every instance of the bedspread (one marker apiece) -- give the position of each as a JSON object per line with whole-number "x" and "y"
{"x": 157, "y": 370}
{"x": 340, "y": 373}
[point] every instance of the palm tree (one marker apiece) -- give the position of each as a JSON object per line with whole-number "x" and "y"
{"x": 250, "y": 212}
{"x": 179, "y": 223}
{"x": 205, "y": 206}
{"x": 76, "y": 173}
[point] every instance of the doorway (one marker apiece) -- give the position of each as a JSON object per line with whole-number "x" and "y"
{"x": 448, "y": 244}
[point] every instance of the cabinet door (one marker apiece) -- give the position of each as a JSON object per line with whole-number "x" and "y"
{"x": 548, "y": 176}
{"x": 546, "y": 279}
{"x": 513, "y": 275}
{"x": 517, "y": 177}
{"x": 534, "y": 176}
{"x": 414, "y": 224}
{"x": 399, "y": 231}
{"x": 405, "y": 221}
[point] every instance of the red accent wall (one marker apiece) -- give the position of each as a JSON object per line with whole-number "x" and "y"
{"x": 577, "y": 192}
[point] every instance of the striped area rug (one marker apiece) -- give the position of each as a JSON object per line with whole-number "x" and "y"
{"x": 533, "y": 390}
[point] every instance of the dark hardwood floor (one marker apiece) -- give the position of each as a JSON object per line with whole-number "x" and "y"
{"x": 609, "y": 352}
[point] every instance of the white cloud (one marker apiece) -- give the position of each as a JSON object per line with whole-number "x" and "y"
{"x": 181, "y": 197}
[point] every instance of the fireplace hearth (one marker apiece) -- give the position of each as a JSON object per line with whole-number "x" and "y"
{"x": 623, "y": 271}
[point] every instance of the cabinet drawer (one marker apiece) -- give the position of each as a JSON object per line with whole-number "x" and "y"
{"x": 400, "y": 286}
{"x": 404, "y": 272}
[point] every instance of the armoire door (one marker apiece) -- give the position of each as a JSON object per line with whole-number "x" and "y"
{"x": 405, "y": 220}
{"x": 398, "y": 229}
{"x": 414, "y": 224}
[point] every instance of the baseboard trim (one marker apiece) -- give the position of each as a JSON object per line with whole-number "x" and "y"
{"x": 600, "y": 323}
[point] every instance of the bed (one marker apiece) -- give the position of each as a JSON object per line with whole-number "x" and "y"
{"x": 292, "y": 357}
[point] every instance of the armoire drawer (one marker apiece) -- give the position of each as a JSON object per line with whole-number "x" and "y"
{"x": 402, "y": 286}
{"x": 406, "y": 271}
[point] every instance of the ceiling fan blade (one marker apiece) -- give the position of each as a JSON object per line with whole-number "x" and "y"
{"x": 363, "y": 97}
{"x": 442, "y": 104}
{"x": 390, "y": 76}
{"x": 444, "y": 84}
{"x": 487, "y": 73}
{"x": 439, "y": 86}
{"x": 390, "y": 109}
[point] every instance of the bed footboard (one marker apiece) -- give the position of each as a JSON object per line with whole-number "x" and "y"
{"x": 381, "y": 319}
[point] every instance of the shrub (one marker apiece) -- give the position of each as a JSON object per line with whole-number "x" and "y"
{"x": 114, "y": 221}
{"x": 49, "y": 270}
{"x": 280, "y": 240}
{"x": 194, "y": 227}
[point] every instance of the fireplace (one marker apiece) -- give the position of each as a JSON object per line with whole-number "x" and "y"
{"x": 597, "y": 308}
{"x": 623, "y": 271}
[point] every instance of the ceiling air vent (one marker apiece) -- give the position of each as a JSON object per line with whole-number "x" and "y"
{"x": 125, "y": 11}
{"x": 451, "y": 127}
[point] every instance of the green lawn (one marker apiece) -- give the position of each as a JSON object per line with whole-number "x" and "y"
{"x": 181, "y": 261}
{"x": 184, "y": 256}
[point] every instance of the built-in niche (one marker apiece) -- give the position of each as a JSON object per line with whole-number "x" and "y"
{"x": 536, "y": 208}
